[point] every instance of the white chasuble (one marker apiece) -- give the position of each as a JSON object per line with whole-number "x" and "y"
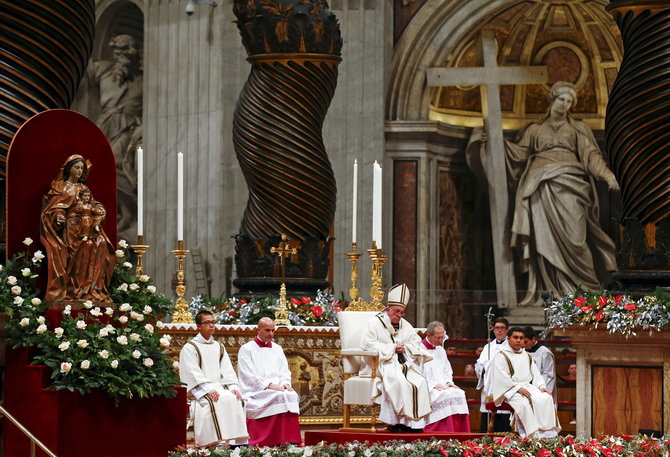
{"x": 258, "y": 367}
{"x": 400, "y": 388}
{"x": 438, "y": 372}
{"x": 204, "y": 366}
{"x": 535, "y": 416}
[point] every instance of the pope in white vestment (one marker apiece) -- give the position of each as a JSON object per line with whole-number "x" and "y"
{"x": 272, "y": 406}
{"x": 516, "y": 379}
{"x": 448, "y": 403}
{"x": 400, "y": 387}
{"x": 217, "y": 413}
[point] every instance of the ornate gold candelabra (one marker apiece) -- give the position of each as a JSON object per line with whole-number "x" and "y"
{"x": 140, "y": 248}
{"x": 354, "y": 256}
{"x": 378, "y": 261}
{"x": 283, "y": 250}
{"x": 182, "y": 315}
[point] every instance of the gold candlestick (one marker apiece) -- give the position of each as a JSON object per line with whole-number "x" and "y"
{"x": 283, "y": 250}
{"x": 140, "y": 248}
{"x": 353, "y": 257}
{"x": 182, "y": 315}
{"x": 376, "y": 291}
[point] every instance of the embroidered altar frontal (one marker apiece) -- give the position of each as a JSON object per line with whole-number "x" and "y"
{"x": 313, "y": 355}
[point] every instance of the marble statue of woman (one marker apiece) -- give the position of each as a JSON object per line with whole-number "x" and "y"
{"x": 80, "y": 257}
{"x": 555, "y": 221}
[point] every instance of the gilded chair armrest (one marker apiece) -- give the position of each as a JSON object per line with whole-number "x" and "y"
{"x": 358, "y": 352}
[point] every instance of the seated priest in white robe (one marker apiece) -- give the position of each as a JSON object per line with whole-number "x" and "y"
{"x": 272, "y": 405}
{"x": 400, "y": 387}
{"x": 516, "y": 379}
{"x": 217, "y": 413}
{"x": 448, "y": 402}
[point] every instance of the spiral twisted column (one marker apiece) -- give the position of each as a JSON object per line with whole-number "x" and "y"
{"x": 278, "y": 141}
{"x": 44, "y": 50}
{"x": 638, "y": 140}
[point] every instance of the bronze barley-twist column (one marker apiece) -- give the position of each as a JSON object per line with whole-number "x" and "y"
{"x": 294, "y": 50}
{"x": 638, "y": 142}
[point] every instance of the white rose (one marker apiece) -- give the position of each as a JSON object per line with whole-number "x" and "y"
{"x": 135, "y": 337}
{"x": 148, "y": 362}
{"x": 11, "y": 280}
{"x": 168, "y": 337}
{"x": 103, "y": 332}
{"x": 127, "y": 265}
{"x": 109, "y": 311}
{"x": 164, "y": 343}
{"x": 160, "y": 324}
{"x": 1, "y": 268}
{"x": 125, "y": 307}
{"x": 67, "y": 309}
{"x": 123, "y": 287}
{"x": 151, "y": 289}
{"x": 82, "y": 343}
{"x": 134, "y": 287}
{"x": 85, "y": 364}
{"x": 149, "y": 328}
{"x": 65, "y": 367}
{"x": 144, "y": 278}
{"x": 96, "y": 312}
{"x": 25, "y": 272}
{"x": 41, "y": 329}
{"x": 16, "y": 290}
{"x": 137, "y": 354}
{"x": 81, "y": 325}
{"x": 115, "y": 363}
{"x": 123, "y": 244}
{"x": 175, "y": 365}
{"x": 122, "y": 339}
{"x": 147, "y": 309}
{"x": 41, "y": 320}
{"x": 88, "y": 304}
{"x": 27, "y": 241}
{"x": 104, "y": 353}
{"x": 119, "y": 253}
{"x": 59, "y": 332}
{"x": 137, "y": 316}
{"x": 24, "y": 322}
{"x": 36, "y": 301}
{"x": 64, "y": 346}
{"x": 38, "y": 256}
{"x": 110, "y": 328}
{"x": 18, "y": 301}
{"x": 123, "y": 319}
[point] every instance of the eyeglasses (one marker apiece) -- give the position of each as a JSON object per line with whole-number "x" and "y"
{"x": 207, "y": 323}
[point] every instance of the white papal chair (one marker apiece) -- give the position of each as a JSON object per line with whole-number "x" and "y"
{"x": 359, "y": 366}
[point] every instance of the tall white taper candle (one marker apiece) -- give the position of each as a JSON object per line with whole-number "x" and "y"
{"x": 355, "y": 203}
{"x": 180, "y": 196}
{"x": 377, "y": 204}
{"x": 140, "y": 191}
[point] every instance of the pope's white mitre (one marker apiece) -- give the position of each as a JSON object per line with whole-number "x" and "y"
{"x": 398, "y": 295}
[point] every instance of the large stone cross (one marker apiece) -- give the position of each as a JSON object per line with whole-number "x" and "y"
{"x": 489, "y": 78}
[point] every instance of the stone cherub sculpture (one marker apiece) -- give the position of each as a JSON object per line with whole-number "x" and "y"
{"x": 554, "y": 168}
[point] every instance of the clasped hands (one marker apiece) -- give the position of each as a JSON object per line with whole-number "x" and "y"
{"x": 447, "y": 386}
{"x": 399, "y": 348}
{"x": 214, "y": 395}
{"x": 523, "y": 391}
{"x": 278, "y": 387}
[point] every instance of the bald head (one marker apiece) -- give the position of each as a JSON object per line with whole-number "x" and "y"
{"x": 266, "y": 329}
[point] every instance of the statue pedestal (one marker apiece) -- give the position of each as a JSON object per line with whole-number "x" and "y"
{"x": 623, "y": 385}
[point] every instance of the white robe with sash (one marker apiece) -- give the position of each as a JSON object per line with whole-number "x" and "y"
{"x": 204, "y": 365}
{"x": 401, "y": 389}
{"x": 534, "y": 416}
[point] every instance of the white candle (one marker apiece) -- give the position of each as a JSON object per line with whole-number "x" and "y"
{"x": 140, "y": 191}
{"x": 355, "y": 203}
{"x": 180, "y": 196}
{"x": 377, "y": 204}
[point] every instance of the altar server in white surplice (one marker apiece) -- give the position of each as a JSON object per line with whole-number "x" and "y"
{"x": 448, "y": 403}
{"x": 400, "y": 387}
{"x": 216, "y": 407}
{"x": 272, "y": 405}
{"x": 516, "y": 379}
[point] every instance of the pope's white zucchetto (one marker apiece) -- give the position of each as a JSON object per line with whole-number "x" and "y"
{"x": 398, "y": 296}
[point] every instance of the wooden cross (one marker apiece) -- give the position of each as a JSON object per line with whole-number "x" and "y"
{"x": 283, "y": 250}
{"x": 489, "y": 78}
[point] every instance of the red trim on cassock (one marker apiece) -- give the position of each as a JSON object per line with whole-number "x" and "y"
{"x": 456, "y": 423}
{"x": 274, "y": 430}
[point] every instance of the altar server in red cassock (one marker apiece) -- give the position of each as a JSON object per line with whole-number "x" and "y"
{"x": 272, "y": 406}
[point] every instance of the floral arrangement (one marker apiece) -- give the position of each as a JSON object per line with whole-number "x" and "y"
{"x": 301, "y": 311}
{"x": 618, "y": 313}
{"x": 97, "y": 347}
{"x": 607, "y": 446}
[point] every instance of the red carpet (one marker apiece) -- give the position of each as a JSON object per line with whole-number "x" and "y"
{"x": 336, "y": 436}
